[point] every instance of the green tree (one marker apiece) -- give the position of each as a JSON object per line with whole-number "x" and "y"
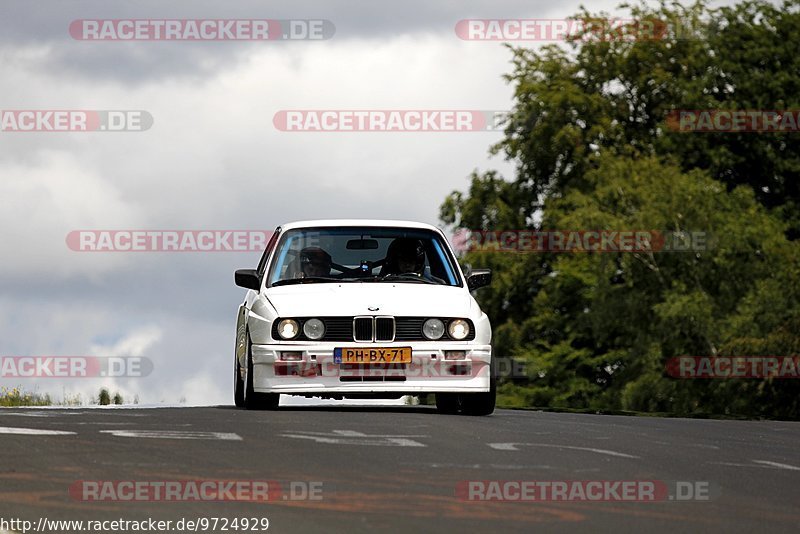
{"x": 593, "y": 147}
{"x": 615, "y": 96}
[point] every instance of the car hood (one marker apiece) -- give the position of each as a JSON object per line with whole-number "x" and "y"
{"x": 399, "y": 299}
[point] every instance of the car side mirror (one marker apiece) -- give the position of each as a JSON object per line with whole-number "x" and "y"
{"x": 247, "y": 278}
{"x": 479, "y": 278}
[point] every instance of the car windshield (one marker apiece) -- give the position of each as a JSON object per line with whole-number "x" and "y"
{"x": 362, "y": 254}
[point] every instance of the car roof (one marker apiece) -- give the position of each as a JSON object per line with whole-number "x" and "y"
{"x": 358, "y": 222}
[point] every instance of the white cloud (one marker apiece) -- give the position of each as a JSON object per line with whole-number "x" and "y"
{"x": 134, "y": 344}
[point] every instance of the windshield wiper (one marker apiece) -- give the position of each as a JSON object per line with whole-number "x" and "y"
{"x": 407, "y": 277}
{"x": 307, "y": 280}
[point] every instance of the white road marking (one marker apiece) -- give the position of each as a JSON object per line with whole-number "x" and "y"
{"x": 107, "y": 423}
{"x": 34, "y": 431}
{"x": 761, "y": 464}
{"x": 37, "y": 414}
{"x": 172, "y": 434}
{"x": 734, "y": 464}
{"x": 351, "y": 437}
{"x": 485, "y": 466}
{"x": 513, "y": 447}
{"x": 32, "y": 414}
{"x": 778, "y": 465}
{"x": 505, "y": 446}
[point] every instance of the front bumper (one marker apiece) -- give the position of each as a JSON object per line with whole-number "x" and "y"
{"x": 316, "y": 373}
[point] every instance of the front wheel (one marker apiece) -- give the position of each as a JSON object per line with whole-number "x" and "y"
{"x": 469, "y": 403}
{"x": 238, "y": 384}
{"x": 479, "y": 403}
{"x": 252, "y": 399}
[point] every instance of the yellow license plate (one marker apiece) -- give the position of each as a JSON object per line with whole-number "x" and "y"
{"x": 372, "y": 355}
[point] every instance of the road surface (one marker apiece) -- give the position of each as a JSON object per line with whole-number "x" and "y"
{"x": 400, "y": 469}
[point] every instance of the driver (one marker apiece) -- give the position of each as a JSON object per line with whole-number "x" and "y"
{"x": 405, "y": 255}
{"x": 315, "y": 262}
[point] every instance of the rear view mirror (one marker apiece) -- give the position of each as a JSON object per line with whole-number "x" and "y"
{"x": 247, "y": 278}
{"x": 362, "y": 244}
{"x": 479, "y": 278}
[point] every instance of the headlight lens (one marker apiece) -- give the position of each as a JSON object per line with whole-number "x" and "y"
{"x": 314, "y": 329}
{"x": 458, "y": 329}
{"x": 433, "y": 328}
{"x": 288, "y": 329}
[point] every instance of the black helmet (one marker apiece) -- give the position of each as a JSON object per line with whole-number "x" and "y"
{"x": 315, "y": 256}
{"x": 409, "y": 251}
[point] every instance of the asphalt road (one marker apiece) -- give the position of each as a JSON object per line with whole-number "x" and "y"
{"x": 398, "y": 468}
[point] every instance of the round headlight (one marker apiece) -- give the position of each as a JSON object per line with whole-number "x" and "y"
{"x": 314, "y": 329}
{"x": 458, "y": 329}
{"x": 433, "y": 328}
{"x": 288, "y": 328}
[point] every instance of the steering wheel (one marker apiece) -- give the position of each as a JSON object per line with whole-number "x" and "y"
{"x": 359, "y": 271}
{"x": 410, "y": 273}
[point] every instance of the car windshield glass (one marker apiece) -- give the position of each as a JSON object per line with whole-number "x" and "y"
{"x": 362, "y": 254}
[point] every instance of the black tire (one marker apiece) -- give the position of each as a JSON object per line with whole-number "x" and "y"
{"x": 238, "y": 384}
{"x": 470, "y": 403}
{"x": 447, "y": 403}
{"x": 480, "y": 403}
{"x": 252, "y": 399}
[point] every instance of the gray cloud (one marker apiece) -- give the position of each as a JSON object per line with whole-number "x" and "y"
{"x": 213, "y": 160}
{"x": 46, "y": 25}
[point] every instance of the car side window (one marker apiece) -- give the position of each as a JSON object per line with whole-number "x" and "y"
{"x": 262, "y": 264}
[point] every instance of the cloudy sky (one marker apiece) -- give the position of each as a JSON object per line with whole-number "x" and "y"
{"x": 214, "y": 160}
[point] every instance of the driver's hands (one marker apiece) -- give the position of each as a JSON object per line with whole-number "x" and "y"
{"x": 409, "y": 273}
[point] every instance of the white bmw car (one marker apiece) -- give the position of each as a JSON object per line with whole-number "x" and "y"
{"x": 362, "y": 309}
